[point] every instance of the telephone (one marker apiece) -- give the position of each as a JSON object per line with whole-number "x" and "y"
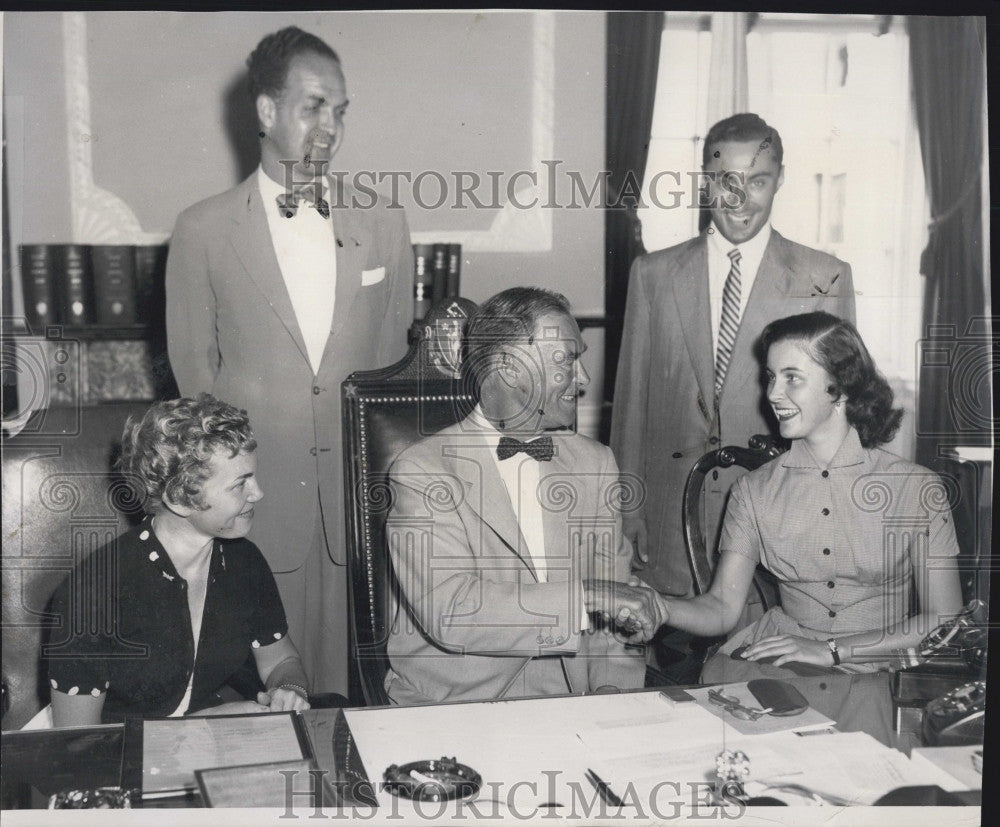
{"x": 956, "y": 718}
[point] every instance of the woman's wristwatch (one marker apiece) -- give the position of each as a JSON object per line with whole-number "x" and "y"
{"x": 832, "y": 643}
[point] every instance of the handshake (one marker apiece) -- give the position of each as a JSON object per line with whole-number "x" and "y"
{"x": 637, "y": 610}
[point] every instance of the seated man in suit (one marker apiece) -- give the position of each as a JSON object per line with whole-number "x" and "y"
{"x": 491, "y": 537}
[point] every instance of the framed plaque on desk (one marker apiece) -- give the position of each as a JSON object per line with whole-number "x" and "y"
{"x": 162, "y": 754}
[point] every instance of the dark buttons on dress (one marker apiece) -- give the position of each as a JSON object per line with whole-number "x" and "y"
{"x": 825, "y": 512}
{"x": 714, "y": 440}
{"x": 832, "y": 613}
{"x": 678, "y": 454}
{"x": 822, "y": 686}
{"x": 826, "y": 551}
{"x": 829, "y": 584}
{"x": 312, "y": 451}
{"x": 316, "y": 390}
{"x": 826, "y": 474}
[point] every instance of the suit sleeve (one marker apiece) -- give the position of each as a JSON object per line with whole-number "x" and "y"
{"x": 842, "y": 295}
{"x": 628, "y": 424}
{"x": 609, "y": 662}
{"x": 191, "y": 339}
{"x": 448, "y": 587}
{"x": 399, "y": 270}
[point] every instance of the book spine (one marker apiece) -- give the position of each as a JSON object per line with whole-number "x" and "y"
{"x": 39, "y": 283}
{"x": 76, "y": 284}
{"x": 114, "y": 283}
{"x": 150, "y": 275}
{"x": 422, "y": 279}
{"x": 452, "y": 285}
{"x": 440, "y": 272}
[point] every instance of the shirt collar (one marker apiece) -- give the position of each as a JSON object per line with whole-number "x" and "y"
{"x": 849, "y": 453}
{"x": 487, "y": 429}
{"x": 270, "y": 189}
{"x": 754, "y": 248}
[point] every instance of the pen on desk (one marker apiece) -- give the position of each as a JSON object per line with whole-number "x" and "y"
{"x": 603, "y": 790}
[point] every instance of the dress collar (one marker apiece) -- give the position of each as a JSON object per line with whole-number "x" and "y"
{"x": 849, "y": 453}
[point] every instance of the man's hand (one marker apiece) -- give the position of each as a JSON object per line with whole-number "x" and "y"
{"x": 283, "y": 699}
{"x": 789, "y": 649}
{"x": 634, "y": 527}
{"x": 639, "y": 610}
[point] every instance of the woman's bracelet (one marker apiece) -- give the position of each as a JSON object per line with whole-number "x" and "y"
{"x": 300, "y": 689}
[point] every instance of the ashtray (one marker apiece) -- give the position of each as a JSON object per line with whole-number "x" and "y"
{"x": 443, "y": 779}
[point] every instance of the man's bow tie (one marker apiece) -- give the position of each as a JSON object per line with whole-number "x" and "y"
{"x": 540, "y": 449}
{"x": 303, "y": 192}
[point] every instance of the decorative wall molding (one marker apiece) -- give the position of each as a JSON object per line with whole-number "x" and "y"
{"x": 516, "y": 230}
{"x": 98, "y": 216}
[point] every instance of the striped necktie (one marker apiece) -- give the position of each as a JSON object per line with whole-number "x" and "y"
{"x": 730, "y": 322}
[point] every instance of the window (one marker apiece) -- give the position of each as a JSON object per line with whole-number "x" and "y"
{"x": 838, "y": 91}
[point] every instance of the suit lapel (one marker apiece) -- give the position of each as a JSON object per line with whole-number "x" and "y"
{"x": 485, "y": 493}
{"x": 769, "y": 288}
{"x": 691, "y": 295}
{"x": 251, "y": 239}
{"x": 353, "y": 242}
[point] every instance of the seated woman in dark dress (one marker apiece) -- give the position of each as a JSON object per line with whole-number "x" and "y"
{"x": 847, "y": 528}
{"x": 159, "y": 620}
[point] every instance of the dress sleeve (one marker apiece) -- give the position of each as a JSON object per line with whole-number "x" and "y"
{"x": 269, "y": 623}
{"x": 74, "y": 661}
{"x": 943, "y": 542}
{"x": 739, "y": 530}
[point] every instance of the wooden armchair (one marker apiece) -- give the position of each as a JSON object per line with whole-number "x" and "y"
{"x": 761, "y": 449}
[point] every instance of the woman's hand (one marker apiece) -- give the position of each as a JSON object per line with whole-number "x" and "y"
{"x": 790, "y": 648}
{"x": 233, "y": 708}
{"x": 283, "y": 699}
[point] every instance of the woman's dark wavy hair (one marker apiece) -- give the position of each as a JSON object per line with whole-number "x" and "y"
{"x": 169, "y": 451}
{"x": 837, "y": 347}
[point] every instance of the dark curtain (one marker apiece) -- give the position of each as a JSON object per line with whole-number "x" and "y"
{"x": 632, "y": 65}
{"x": 948, "y": 67}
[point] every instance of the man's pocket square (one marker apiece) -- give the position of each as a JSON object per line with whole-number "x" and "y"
{"x": 374, "y": 276}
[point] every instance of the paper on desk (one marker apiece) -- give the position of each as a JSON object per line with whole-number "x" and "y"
{"x": 848, "y": 765}
{"x": 809, "y": 719}
{"x": 668, "y": 764}
{"x": 647, "y": 721}
{"x": 956, "y": 762}
{"x": 173, "y": 748}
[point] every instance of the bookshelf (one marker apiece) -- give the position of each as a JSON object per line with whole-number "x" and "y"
{"x": 94, "y": 327}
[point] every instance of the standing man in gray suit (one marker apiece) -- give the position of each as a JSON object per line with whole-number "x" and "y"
{"x": 276, "y": 291}
{"x": 688, "y": 377}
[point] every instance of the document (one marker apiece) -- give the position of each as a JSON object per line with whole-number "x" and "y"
{"x": 173, "y": 748}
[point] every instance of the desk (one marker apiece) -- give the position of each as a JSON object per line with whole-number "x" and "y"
{"x": 531, "y": 752}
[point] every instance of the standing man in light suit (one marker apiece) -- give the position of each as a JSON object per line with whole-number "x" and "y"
{"x": 276, "y": 291}
{"x": 688, "y": 377}
{"x": 496, "y": 522}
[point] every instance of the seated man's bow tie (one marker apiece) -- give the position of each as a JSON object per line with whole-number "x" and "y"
{"x": 540, "y": 449}
{"x": 303, "y": 192}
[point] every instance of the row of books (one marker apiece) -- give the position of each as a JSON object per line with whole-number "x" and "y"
{"x": 112, "y": 285}
{"x": 118, "y": 285}
{"x": 436, "y": 273}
